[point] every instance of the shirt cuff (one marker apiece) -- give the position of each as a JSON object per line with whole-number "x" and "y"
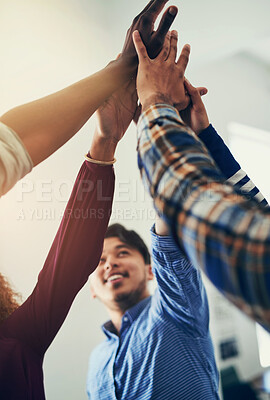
{"x": 157, "y": 111}
{"x": 166, "y": 244}
{"x": 99, "y": 169}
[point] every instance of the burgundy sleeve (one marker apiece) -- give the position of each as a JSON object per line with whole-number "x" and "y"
{"x": 73, "y": 256}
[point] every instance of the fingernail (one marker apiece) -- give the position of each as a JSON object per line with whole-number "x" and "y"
{"x": 173, "y": 11}
{"x": 188, "y": 46}
{"x": 175, "y": 33}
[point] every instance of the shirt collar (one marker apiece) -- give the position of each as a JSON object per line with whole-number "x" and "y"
{"x": 130, "y": 315}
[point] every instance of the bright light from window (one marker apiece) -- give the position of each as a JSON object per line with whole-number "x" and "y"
{"x": 264, "y": 345}
{"x": 251, "y": 147}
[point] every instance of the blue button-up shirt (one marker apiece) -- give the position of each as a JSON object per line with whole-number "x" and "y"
{"x": 164, "y": 350}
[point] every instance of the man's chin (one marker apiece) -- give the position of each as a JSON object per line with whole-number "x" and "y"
{"x": 128, "y": 299}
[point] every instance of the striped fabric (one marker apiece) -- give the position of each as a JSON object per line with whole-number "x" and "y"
{"x": 223, "y": 229}
{"x": 229, "y": 166}
{"x": 164, "y": 351}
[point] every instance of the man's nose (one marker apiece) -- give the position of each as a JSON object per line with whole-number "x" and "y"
{"x": 111, "y": 262}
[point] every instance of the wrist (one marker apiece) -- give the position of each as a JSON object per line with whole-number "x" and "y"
{"x": 103, "y": 148}
{"x": 156, "y": 98}
{"x": 202, "y": 127}
{"x": 124, "y": 66}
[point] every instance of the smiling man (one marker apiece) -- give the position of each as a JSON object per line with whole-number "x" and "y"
{"x": 120, "y": 280}
{"x": 156, "y": 347}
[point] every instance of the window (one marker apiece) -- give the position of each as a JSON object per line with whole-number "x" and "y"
{"x": 251, "y": 147}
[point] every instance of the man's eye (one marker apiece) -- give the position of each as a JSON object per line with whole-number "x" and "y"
{"x": 123, "y": 253}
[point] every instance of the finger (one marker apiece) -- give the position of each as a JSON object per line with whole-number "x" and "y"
{"x": 163, "y": 55}
{"x": 194, "y": 93}
{"x": 158, "y": 37}
{"x": 155, "y": 8}
{"x": 139, "y": 46}
{"x": 173, "y": 46}
{"x": 166, "y": 21}
{"x": 146, "y": 8}
{"x": 202, "y": 90}
{"x": 184, "y": 57}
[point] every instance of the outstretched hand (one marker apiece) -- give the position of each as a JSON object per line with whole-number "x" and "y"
{"x": 144, "y": 22}
{"x": 113, "y": 118}
{"x": 116, "y": 114}
{"x": 195, "y": 115}
{"x": 162, "y": 80}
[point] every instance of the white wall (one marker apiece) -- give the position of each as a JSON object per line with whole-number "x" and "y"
{"x": 48, "y": 45}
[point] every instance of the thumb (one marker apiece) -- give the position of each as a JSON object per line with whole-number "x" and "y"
{"x": 139, "y": 46}
{"x": 195, "y": 93}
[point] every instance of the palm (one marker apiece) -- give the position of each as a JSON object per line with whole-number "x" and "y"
{"x": 115, "y": 115}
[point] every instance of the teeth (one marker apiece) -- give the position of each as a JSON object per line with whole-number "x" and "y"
{"x": 114, "y": 277}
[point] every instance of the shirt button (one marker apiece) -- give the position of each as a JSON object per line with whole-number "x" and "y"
{"x": 125, "y": 319}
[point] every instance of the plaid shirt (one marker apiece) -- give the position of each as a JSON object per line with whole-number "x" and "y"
{"x": 222, "y": 225}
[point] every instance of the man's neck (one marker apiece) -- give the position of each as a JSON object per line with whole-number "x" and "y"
{"x": 117, "y": 311}
{"x": 116, "y": 318}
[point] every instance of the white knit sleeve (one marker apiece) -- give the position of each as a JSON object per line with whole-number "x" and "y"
{"x": 15, "y": 161}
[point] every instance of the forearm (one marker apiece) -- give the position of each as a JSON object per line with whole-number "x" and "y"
{"x": 220, "y": 230}
{"x": 102, "y": 149}
{"x": 182, "y": 293}
{"x": 161, "y": 227}
{"x": 46, "y": 124}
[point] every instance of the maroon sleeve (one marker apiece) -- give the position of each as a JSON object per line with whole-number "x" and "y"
{"x": 73, "y": 256}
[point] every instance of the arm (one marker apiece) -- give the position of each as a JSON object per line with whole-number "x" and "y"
{"x": 15, "y": 161}
{"x": 219, "y": 229}
{"x": 73, "y": 256}
{"x": 77, "y": 247}
{"x": 182, "y": 293}
{"x": 195, "y": 116}
{"x": 46, "y": 124}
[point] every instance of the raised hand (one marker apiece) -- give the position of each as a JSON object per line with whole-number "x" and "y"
{"x": 144, "y": 22}
{"x": 195, "y": 115}
{"x": 116, "y": 114}
{"x": 162, "y": 80}
{"x": 113, "y": 118}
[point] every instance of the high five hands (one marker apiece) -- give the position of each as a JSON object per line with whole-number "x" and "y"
{"x": 162, "y": 80}
{"x": 144, "y": 22}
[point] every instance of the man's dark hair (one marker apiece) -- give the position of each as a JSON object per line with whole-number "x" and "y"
{"x": 131, "y": 238}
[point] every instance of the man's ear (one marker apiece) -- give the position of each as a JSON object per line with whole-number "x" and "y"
{"x": 150, "y": 275}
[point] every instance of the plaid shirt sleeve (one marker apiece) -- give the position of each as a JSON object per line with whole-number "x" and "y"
{"x": 221, "y": 230}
